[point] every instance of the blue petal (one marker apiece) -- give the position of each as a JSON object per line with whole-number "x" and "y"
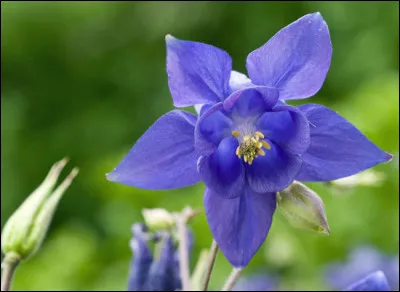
{"x": 162, "y": 274}
{"x": 223, "y": 171}
{"x": 164, "y": 157}
{"x": 287, "y": 127}
{"x": 215, "y": 127}
{"x": 337, "y": 148}
{"x": 239, "y": 225}
{"x": 269, "y": 95}
{"x": 295, "y": 60}
{"x": 373, "y": 282}
{"x": 211, "y": 128}
{"x": 141, "y": 261}
{"x": 274, "y": 171}
{"x": 197, "y": 73}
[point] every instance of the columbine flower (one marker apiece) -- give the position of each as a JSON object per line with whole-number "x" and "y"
{"x": 247, "y": 143}
{"x": 363, "y": 261}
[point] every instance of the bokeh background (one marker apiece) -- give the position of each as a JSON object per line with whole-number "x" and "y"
{"x": 86, "y": 79}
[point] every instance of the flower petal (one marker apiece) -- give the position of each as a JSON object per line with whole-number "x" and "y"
{"x": 373, "y": 282}
{"x": 287, "y": 127}
{"x": 239, "y": 225}
{"x": 215, "y": 127}
{"x": 223, "y": 171}
{"x": 337, "y": 148}
{"x": 162, "y": 273}
{"x": 197, "y": 73}
{"x": 269, "y": 95}
{"x": 274, "y": 171}
{"x": 208, "y": 136}
{"x": 295, "y": 60}
{"x": 164, "y": 157}
{"x": 141, "y": 261}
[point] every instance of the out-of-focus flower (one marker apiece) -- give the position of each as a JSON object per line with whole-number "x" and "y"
{"x": 375, "y": 281}
{"x": 27, "y": 227}
{"x": 158, "y": 270}
{"x": 361, "y": 262}
{"x": 246, "y": 143}
{"x": 256, "y": 282}
{"x": 369, "y": 178}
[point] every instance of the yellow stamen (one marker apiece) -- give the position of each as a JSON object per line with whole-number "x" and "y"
{"x": 266, "y": 145}
{"x": 236, "y": 134}
{"x": 259, "y": 134}
{"x": 251, "y": 146}
{"x": 238, "y": 153}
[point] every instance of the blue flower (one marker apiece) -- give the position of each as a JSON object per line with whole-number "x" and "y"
{"x": 246, "y": 144}
{"x": 146, "y": 273}
{"x": 363, "y": 261}
{"x": 159, "y": 273}
{"x": 375, "y": 281}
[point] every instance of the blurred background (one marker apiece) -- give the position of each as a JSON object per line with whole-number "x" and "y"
{"x": 86, "y": 79}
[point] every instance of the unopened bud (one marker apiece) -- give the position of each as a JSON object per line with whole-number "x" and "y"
{"x": 303, "y": 208}
{"x": 26, "y": 228}
{"x": 158, "y": 219}
{"x": 366, "y": 178}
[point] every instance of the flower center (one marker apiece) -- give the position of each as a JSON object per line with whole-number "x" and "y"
{"x": 251, "y": 146}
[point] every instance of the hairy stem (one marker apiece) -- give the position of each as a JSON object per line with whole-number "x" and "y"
{"x": 233, "y": 277}
{"x": 9, "y": 264}
{"x": 210, "y": 265}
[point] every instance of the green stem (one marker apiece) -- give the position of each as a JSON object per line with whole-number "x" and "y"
{"x": 9, "y": 264}
{"x": 233, "y": 277}
{"x": 210, "y": 265}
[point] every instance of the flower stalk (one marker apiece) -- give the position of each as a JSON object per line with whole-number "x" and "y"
{"x": 210, "y": 265}
{"x": 9, "y": 264}
{"x": 233, "y": 277}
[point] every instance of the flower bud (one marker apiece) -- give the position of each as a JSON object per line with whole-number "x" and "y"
{"x": 26, "y": 228}
{"x": 366, "y": 178}
{"x": 162, "y": 274}
{"x": 303, "y": 208}
{"x": 142, "y": 258}
{"x": 158, "y": 218}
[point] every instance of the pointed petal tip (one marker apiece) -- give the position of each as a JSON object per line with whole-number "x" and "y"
{"x": 169, "y": 39}
{"x": 389, "y": 157}
{"x": 111, "y": 176}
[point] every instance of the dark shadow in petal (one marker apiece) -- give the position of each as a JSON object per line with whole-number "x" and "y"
{"x": 223, "y": 171}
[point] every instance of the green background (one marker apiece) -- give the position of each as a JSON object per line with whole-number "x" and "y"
{"x": 86, "y": 79}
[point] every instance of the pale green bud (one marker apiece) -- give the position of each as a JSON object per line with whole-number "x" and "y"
{"x": 303, "y": 208}
{"x": 369, "y": 178}
{"x": 158, "y": 219}
{"x": 26, "y": 228}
